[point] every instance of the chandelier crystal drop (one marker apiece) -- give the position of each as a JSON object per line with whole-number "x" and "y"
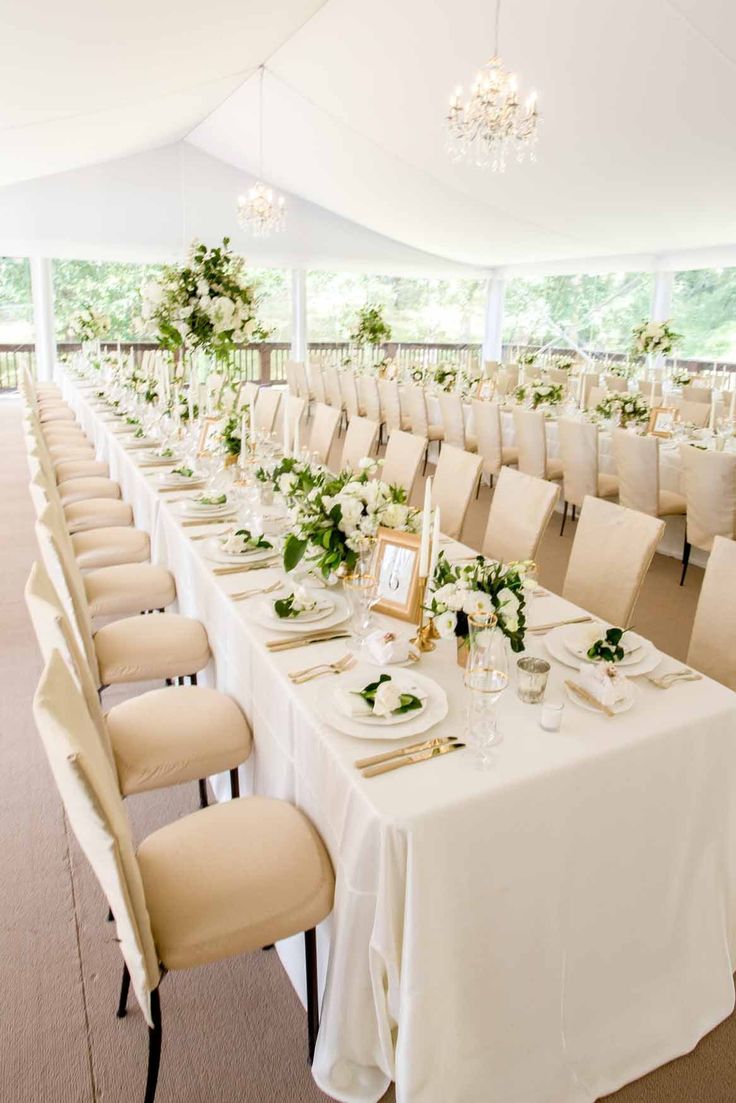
{"x": 491, "y": 125}
{"x": 261, "y": 211}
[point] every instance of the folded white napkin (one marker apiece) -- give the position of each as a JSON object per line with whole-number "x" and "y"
{"x": 352, "y": 704}
{"x": 604, "y": 681}
{"x": 387, "y": 647}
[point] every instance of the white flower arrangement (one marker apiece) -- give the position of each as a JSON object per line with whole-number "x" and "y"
{"x": 681, "y": 377}
{"x": 564, "y": 363}
{"x": 207, "y": 303}
{"x": 654, "y": 339}
{"x": 540, "y": 392}
{"x": 483, "y": 586}
{"x": 89, "y": 324}
{"x": 630, "y": 409}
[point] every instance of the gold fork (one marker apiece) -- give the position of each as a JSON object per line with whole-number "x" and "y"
{"x": 298, "y": 677}
{"x": 243, "y": 594}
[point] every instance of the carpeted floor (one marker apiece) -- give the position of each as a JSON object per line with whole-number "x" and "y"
{"x": 234, "y": 1031}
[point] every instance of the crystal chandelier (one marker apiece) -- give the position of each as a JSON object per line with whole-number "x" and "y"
{"x": 491, "y": 124}
{"x": 260, "y": 211}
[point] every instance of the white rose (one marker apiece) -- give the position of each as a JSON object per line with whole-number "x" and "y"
{"x": 387, "y": 699}
{"x": 445, "y": 624}
{"x": 287, "y": 482}
{"x": 203, "y": 288}
{"x": 394, "y": 516}
{"x": 367, "y": 464}
{"x": 352, "y": 511}
{"x": 475, "y": 601}
{"x": 508, "y": 602}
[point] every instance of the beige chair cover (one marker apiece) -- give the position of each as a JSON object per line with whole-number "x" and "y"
{"x": 361, "y": 439}
{"x": 488, "y": 435}
{"x": 591, "y": 380}
{"x": 388, "y": 390}
{"x": 317, "y": 383}
{"x": 531, "y": 440}
{"x": 453, "y": 421}
{"x": 610, "y": 556}
{"x": 324, "y": 431}
{"x": 349, "y": 392}
{"x": 710, "y": 494}
{"x": 691, "y": 393}
{"x": 416, "y": 404}
{"x": 94, "y": 808}
{"x": 291, "y": 383}
{"x": 693, "y": 413}
{"x": 333, "y": 394}
{"x": 714, "y": 629}
{"x": 579, "y": 455}
{"x": 453, "y": 486}
{"x": 302, "y": 381}
{"x": 520, "y": 511}
{"x": 369, "y": 397}
{"x": 267, "y": 408}
{"x": 616, "y": 383}
{"x": 295, "y": 410}
{"x": 402, "y": 461}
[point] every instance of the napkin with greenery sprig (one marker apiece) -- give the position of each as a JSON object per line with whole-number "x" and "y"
{"x": 608, "y": 649}
{"x": 293, "y": 606}
{"x": 184, "y": 471}
{"x": 406, "y": 702}
{"x": 252, "y": 541}
{"x": 211, "y": 500}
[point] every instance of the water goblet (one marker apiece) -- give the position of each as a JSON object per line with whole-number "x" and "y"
{"x": 486, "y": 678}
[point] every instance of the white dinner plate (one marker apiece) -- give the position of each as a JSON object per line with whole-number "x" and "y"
{"x": 132, "y": 443}
{"x": 406, "y": 684}
{"x": 150, "y": 457}
{"x": 622, "y": 705}
{"x": 170, "y": 481}
{"x": 434, "y": 711}
{"x": 216, "y": 553}
{"x": 262, "y": 613}
{"x": 192, "y": 511}
{"x": 646, "y": 660}
{"x": 314, "y": 616}
{"x": 578, "y": 638}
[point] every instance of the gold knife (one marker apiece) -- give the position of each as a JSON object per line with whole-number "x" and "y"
{"x": 557, "y": 624}
{"x": 240, "y": 568}
{"x": 412, "y": 759}
{"x": 424, "y": 745}
{"x": 304, "y": 641}
{"x": 589, "y": 699}
{"x": 206, "y": 521}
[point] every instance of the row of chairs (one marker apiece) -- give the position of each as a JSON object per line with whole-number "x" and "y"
{"x": 225, "y": 880}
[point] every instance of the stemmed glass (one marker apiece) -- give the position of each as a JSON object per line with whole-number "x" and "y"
{"x": 486, "y": 678}
{"x": 361, "y": 589}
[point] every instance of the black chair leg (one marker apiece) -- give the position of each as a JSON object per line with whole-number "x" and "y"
{"x": 124, "y": 989}
{"x": 110, "y": 916}
{"x": 573, "y": 513}
{"x": 234, "y": 783}
{"x": 192, "y": 680}
{"x": 685, "y": 561}
{"x": 564, "y": 518}
{"x": 310, "y": 957}
{"x": 203, "y": 802}
{"x": 426, "y": 457}
{"x": 154, "y": 1047}
{"x": 169, "y": 682}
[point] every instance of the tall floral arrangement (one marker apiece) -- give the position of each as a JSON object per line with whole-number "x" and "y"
{"x": 89, "y": 324}
{"x": 630, "y": 409}
{"x": 654, "y": 339}
{"x": 372, "y": 328}
{"x": 206, "y": 304}
{"x": 541, "y": 392}
{"x": 339, "y": 516}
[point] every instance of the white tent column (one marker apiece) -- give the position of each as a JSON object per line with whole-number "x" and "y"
{"x": 299, "y": 315}
{"x": 662, "y": 296}
{"x": 495, "y": 295}
{"x": 42, "y": 289}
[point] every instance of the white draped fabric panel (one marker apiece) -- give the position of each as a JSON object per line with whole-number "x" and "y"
{"x": 541, "y": 932}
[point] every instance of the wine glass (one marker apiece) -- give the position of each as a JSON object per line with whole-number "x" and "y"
{"x": 486, "y": 678}
{"x": 361, "y": 589}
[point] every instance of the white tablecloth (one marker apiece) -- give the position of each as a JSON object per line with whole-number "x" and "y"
{"x": 541, "y": 932}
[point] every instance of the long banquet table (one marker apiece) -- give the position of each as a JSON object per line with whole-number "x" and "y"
{"x": 543, "y": 931}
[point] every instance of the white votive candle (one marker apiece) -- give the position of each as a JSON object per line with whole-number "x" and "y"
{"x": 551, "y": 715}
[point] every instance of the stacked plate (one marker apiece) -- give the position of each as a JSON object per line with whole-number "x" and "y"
{"x": 152, "y": 456}
{"x": 331, "y": 610}
{"x": 569, "y": 644}
{"x": 347, "y": 715}
{"x": 214, "y": 550}
{"x": 171, "y": 480}
{"x": 194, "y": 508}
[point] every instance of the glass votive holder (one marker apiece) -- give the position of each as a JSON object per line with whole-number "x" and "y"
{"x": 532, "y": 679}
{"x": 551, "y": 716}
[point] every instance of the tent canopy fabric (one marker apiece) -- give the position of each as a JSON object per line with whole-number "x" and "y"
{"x": 635, "y": 154}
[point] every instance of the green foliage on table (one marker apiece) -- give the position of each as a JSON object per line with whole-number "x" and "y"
{"x": 608, "y": 649}
{"x": 408, "y": 701}
{"x": 252, "y": 541}
{"x": 372, "y": 328}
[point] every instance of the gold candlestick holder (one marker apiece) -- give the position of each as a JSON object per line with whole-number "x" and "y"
{"x": 426, "y": 629}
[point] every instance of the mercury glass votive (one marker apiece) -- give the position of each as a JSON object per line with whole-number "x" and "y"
{"x": 532, "y": 677}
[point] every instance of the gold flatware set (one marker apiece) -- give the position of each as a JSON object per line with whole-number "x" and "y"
{"x": 299, "y": 677}
{"x": 304, "y": 641}
{"x": 408, "y": 756}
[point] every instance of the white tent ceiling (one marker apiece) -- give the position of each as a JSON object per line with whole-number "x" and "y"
{"x": 636, "y": 154}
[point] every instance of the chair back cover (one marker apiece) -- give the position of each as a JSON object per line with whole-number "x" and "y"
{"x": 714, "y": 628}
{"x": 402, "y": 460}
{"x": 267, "y": 408}
{"x": 531, "y": 440}
{"x": 520, "y": 511}
{"x": 610, "y": 556}
{"x": 349, "y": 392}
{"x": 388, "y": 390}
{"x": 637, "y": 463}
{"x": 453, "y": 419}
{"x": 454, "y": 483}
{"x": 691, "y": 393}
{"x": 710, "y": 493}
{"x": 416, "y": 404}
{"x": 579, "y": 455}
{"x": 694, "y": 413}
{"x": 333, "y": 394}
{"x": 93, "y": 805}
{"x": 488, "y": 435}
{"x": 369, "y": 397}
{"x": 317, "y": 382}
{"x": 361, "y": 439}
{"x": 324, "y": 431}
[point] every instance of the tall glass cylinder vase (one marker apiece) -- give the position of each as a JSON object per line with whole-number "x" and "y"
{"x": 486, "y": 678}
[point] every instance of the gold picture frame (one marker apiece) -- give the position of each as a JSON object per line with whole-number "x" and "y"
{"x": 207, "y": 434}
{"x": 396, "y": 567}
{"x": 661, "y": 421}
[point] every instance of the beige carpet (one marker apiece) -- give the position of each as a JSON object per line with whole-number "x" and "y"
{"x": 234, "y": 1031}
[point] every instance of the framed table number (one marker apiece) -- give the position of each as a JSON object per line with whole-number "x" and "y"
{"x": 208, "y": 435}
{"x": 662, "y": 420}
{"x": 397, "y": 572}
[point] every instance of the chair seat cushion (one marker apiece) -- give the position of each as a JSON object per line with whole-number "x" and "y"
{"x": 71, "y": 440}
{"x": 62, "y": 430}
{"x": 607, "y": 486}
{"x": 140, "y": 648}
{"x": 97, "y": 513}
{"x": 671, "y": 503}
{"x": 56, "y": 413}
{"x": 128, "y": 588}
{"x": 509, "y": 455}
{"x": 233, "y": 878}
{"x": 81, "y": 469}
{"x": 71, "y": 451}
{"x": 76, "y": 490}
{"x": 104, "y": 547}
{"x": 554, "y": 469}
{"x": 173, "y": 735}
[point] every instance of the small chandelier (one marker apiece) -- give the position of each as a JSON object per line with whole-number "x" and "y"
{"x": 260, "y": 211}
{"x": 491, "y": 124}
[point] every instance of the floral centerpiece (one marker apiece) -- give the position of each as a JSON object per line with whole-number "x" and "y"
{"x": 483, "y": 586}
{"x": 540, "y": 392}
{"x": 338, "y": 519}
{"x": 372, "y": 328}
{"x": 681, "y": 377}
{"x": 230, "y": 435}
{"x": 293, "y": 478}
{"x": 205, "y": 304}
{"x": 526, "y": 359}
{"x": 654, "y": 339}
{"x": 563, "y": 363}
{"x": 630, "y": 409}
{"x": 445, "y": 377}
{"x": 89, "y": 324}
{"x": 624, "y": 369}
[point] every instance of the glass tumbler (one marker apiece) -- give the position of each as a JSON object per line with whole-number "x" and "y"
{"x": 486, "y": 678}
